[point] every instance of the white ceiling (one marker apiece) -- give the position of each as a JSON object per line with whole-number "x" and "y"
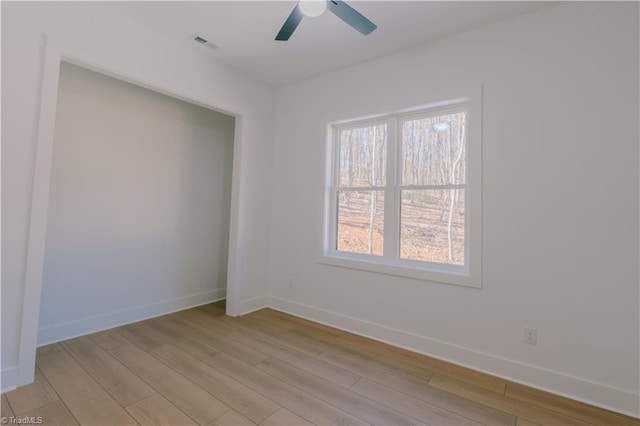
{"x": 244, "y": 31}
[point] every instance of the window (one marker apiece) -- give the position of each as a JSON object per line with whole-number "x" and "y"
{"x": 402, "y": 194}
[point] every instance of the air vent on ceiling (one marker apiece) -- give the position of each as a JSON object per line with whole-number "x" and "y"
{"x": 203, "y": 41}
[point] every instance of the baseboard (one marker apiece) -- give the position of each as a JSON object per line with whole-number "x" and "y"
{"x": 597, "y": 394}
{"x": 9, "y": 379}
{"x": 250, "y": 305}
{"x": 59, "y": 332}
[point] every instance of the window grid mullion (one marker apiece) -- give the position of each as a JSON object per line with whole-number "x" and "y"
{"x": 361, "y": 188}
{"x": 335, "y": 188}
{"x": 392, "y": 206}
{"x": 422, "y": 187}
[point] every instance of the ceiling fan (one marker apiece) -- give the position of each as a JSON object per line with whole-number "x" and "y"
{"x": 313, "y": 8}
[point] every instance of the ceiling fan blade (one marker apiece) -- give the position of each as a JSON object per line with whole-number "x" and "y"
{"x": 290, "y": 24}
{"x": 351, "y": 16}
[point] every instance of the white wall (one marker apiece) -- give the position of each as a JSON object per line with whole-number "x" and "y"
{"x": 560, "y": 202}
{"x": 139, "y": 205}
{"x": 192, "y": 73}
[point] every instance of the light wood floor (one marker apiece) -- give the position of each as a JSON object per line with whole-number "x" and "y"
{"x": 201, "y": 367}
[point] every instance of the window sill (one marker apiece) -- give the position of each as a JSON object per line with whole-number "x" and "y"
{"x": 445, "y": 274}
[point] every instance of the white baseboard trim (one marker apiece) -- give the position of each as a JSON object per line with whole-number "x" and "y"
{"x": 9, "y": 379}
{"x": 598, "y": 394}
{"x": 251, "y": 305}
{"x": 59, "y": 332}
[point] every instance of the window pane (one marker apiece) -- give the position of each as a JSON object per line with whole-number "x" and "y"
{"x": 433, "y": 150}
{"x": 432, "y": 226}
{"x": 363, "y": 156}
{"x": 360, "y": 222}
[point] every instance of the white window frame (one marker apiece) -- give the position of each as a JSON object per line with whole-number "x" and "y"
{"x": 468, "y": 274}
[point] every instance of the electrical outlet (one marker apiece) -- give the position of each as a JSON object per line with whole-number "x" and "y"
{"x": 530, "y": 335}
{"x": 290, "y": 283}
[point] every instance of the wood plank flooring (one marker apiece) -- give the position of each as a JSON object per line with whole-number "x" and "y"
{"x": 201, "y": 367}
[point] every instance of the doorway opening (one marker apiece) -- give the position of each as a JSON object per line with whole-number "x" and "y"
{"x": 139, "y": 205}
{"x": 56, "y": 54}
